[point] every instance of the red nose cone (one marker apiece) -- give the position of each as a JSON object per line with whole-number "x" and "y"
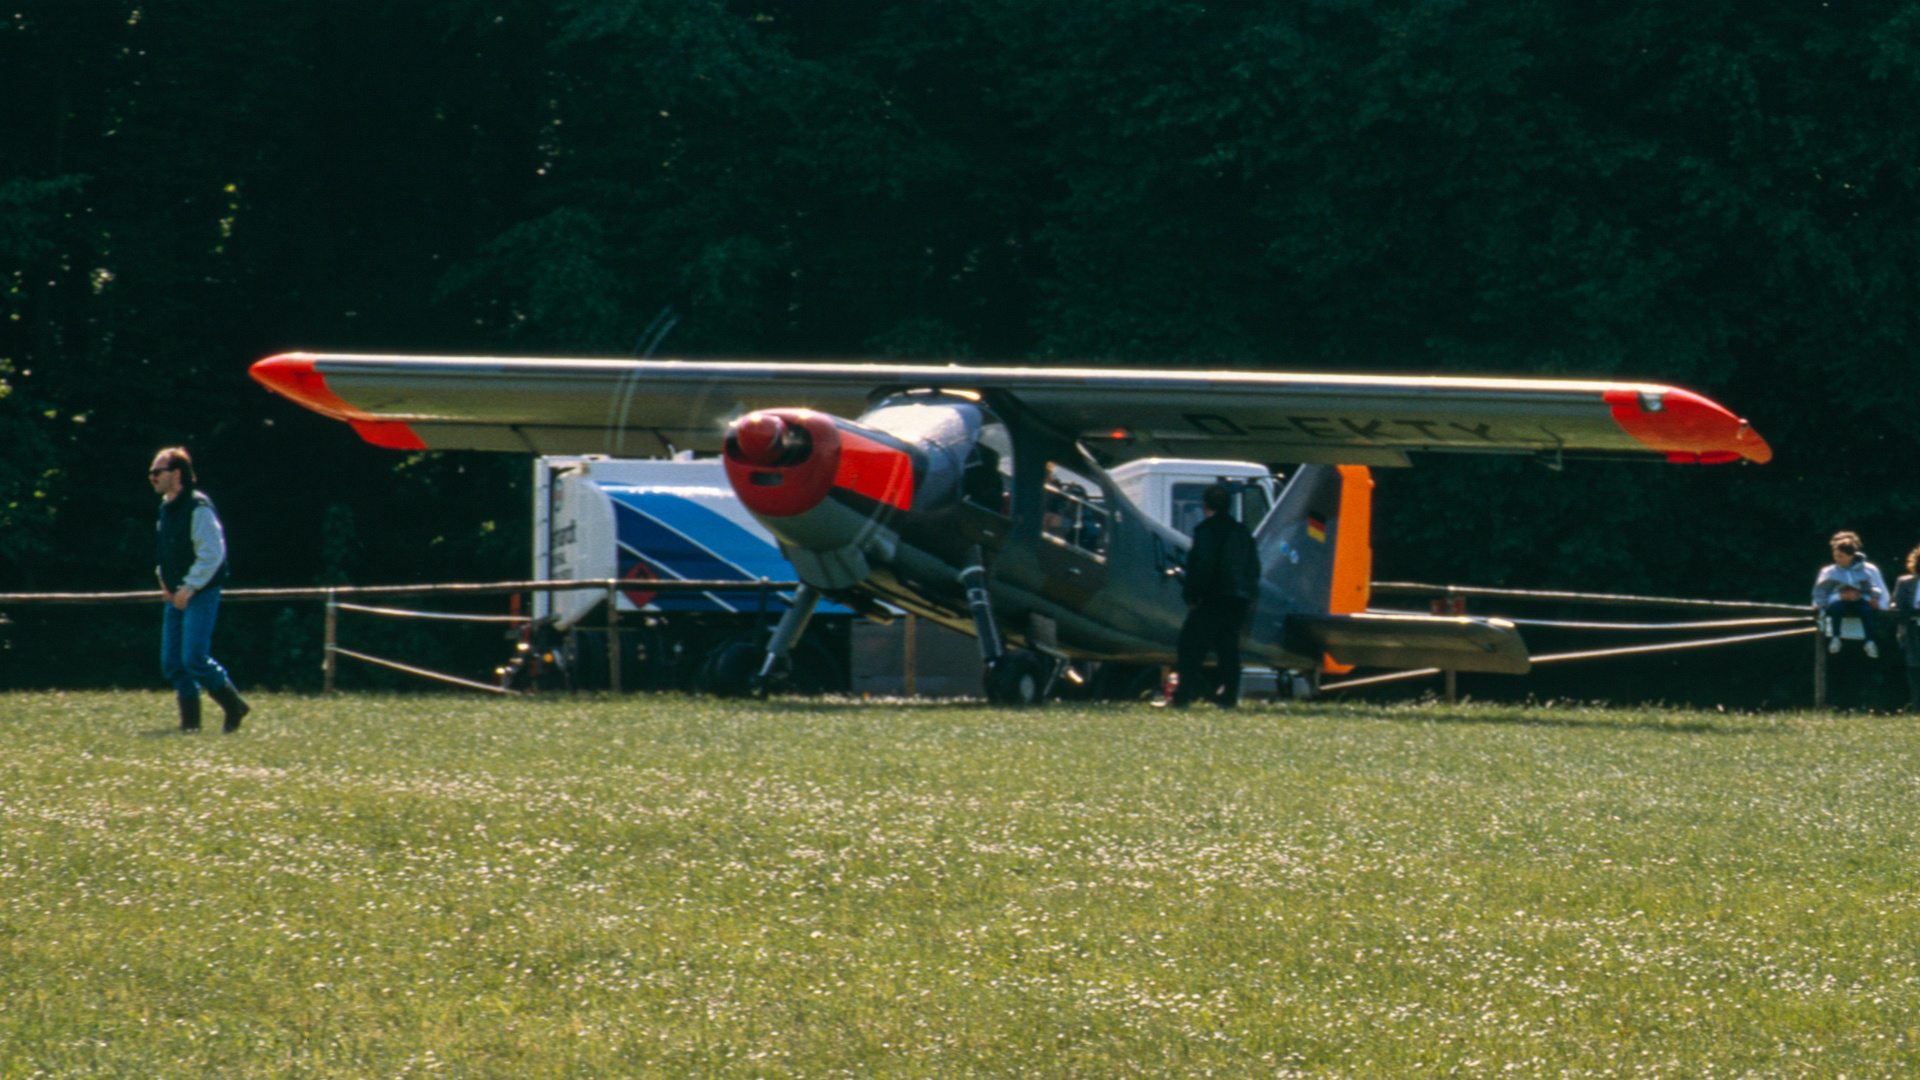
{"x": 759, "y": 438}
{"x": 782, "y": 464}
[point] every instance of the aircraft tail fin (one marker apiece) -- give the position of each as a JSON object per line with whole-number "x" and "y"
{"x": 1316, "y": 553}
{"x": 1316, "y": 546}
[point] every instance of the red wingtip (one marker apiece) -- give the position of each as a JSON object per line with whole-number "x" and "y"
{"x": 292, "y": 376}
{"x": 388, "y": 434}
{"x": 295, "y": 377}
{"x": 1686, "y": 427}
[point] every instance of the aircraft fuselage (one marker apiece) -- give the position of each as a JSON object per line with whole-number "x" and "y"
{"x": 897, "y": 503}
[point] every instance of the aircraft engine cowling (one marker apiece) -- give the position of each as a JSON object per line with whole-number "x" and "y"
{"x": 781, "y": 462}
{"x": 827, "y": 489}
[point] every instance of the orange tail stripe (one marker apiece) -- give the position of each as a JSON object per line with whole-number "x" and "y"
{"x": 1352, "y": 551}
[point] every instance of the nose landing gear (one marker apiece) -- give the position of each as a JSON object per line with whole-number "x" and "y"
{"x": 1016, "y": 678}
{"x": 1012, "y": 677}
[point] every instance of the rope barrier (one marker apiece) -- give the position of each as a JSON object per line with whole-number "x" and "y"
{"x": 499, "y": 588}
{"x": 424, "y": 673}
{"x": 1790, "y": 613}
{"x": 1595, "y": 654}
{"x": 1407, "y": 588}
{"x": 492, "y": 588}
{"x": 1710, "y": 624}
{"x": 1600, "y": 654}
{"x": 450, "y": 616}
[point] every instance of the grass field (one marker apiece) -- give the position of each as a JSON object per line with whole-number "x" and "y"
{"x": 666, "y": 887}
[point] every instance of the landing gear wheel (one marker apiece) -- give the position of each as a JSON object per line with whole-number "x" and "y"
{"x": 1016, "y": 678}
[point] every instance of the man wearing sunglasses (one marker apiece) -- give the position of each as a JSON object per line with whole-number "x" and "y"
{"x": 192, "y": 567}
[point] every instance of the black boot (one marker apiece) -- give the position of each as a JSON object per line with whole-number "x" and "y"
{"x": 230, "y": 703}
{"x": 189, "y": 712}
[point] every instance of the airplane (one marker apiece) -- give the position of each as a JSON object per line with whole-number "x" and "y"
{"x": 980, "y": 497}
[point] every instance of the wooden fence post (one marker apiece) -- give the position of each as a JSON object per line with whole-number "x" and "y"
{"x": 910, "y": 657}
{"x": 1819, "y": 665}
{"x": 329, "y": 663}
{"x": 613, "y": 640}
{"x": 1450, "y": 605}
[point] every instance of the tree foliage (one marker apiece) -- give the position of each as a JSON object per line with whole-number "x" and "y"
{"x": 1721, "y": 196}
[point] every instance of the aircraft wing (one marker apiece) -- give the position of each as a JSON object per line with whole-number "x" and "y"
{"x": 644, "y": 407}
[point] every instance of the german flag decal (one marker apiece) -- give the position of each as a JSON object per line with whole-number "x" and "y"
{"x": 1317, "y": 527}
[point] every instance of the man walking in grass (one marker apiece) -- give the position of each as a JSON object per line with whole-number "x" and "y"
{"x": 192, "y": 567}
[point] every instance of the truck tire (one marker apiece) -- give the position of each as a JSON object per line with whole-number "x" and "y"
{"x": 730, "y": 669}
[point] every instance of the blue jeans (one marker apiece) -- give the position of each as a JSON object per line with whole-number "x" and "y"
{"x": 186, "y": 643}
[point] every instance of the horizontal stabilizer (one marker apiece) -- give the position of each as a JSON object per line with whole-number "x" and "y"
{"x": 1411, "y": 641}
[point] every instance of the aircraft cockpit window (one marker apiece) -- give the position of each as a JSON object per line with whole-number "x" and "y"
{"x": 989, "y": 469}
{"x": 1075, "y": 512}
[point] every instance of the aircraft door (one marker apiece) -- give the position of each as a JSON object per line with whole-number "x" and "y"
{"x": 986, "y": 491}
{"x": 1075, "y": 530}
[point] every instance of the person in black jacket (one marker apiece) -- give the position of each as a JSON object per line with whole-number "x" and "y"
{"x": 1906, "y": 625}
{"x": 192, "y": 566}
{"x": 1222, "y": 578}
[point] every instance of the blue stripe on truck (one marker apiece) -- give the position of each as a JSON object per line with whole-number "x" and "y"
{"x": 660, "y": 528}
{"x": 720, "y": 539}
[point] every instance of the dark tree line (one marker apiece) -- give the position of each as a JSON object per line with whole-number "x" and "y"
{"x": 1718, "y": 195}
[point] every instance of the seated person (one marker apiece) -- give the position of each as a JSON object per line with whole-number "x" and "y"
{"x": 1851, "y": 617}
{"x": 1850, "y": 563}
